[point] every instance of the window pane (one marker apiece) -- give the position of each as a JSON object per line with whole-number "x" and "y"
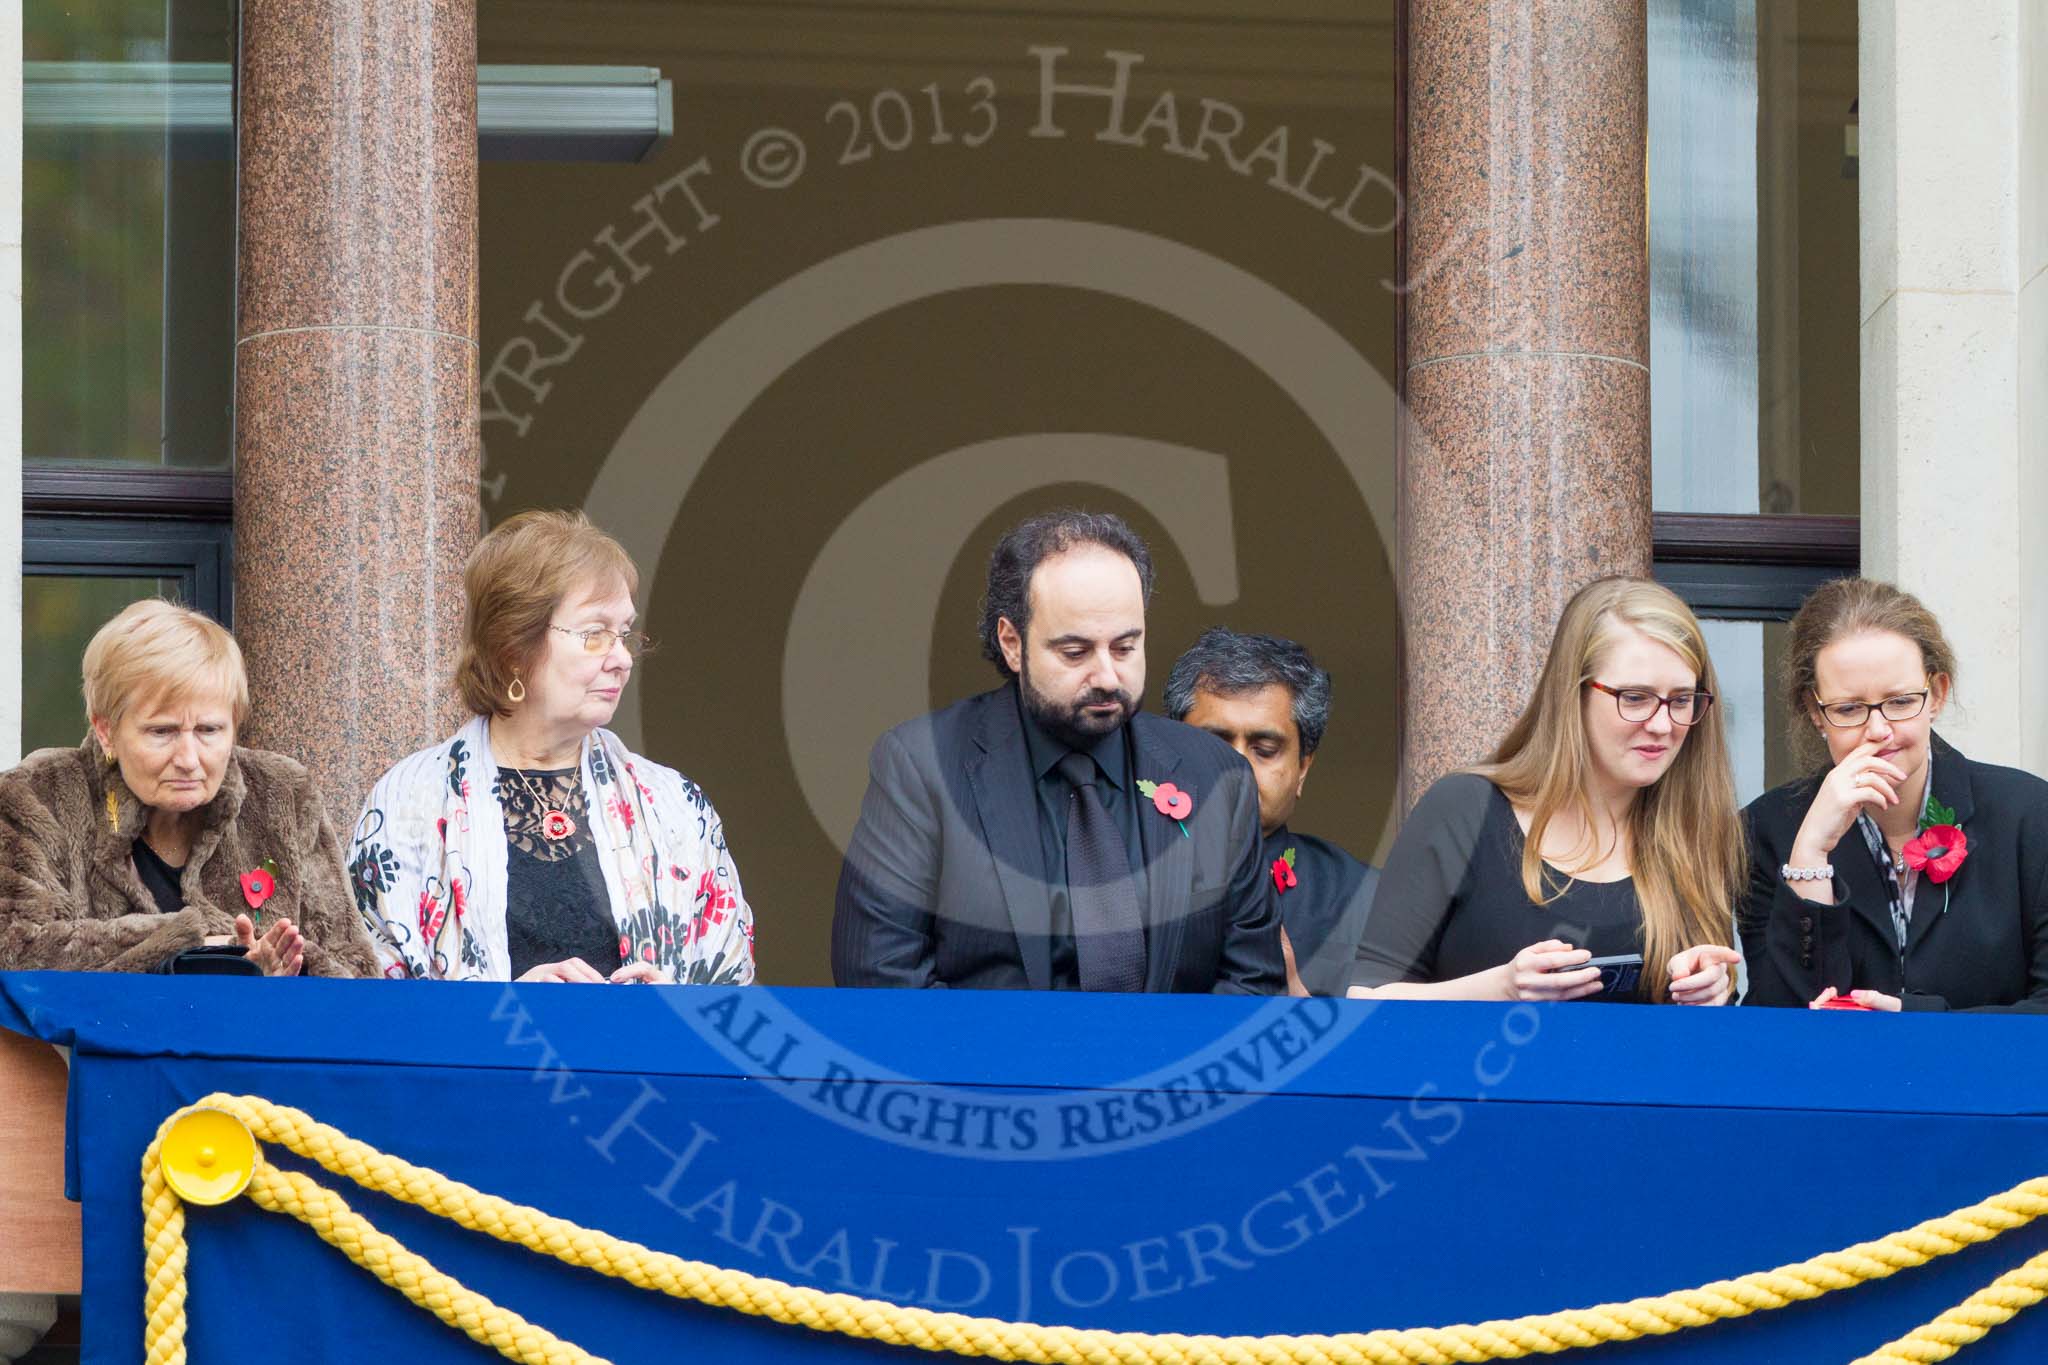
{"x": 58, "y": 617}
{"x": 1749, "y": 659}
{"x": 128, "y": 230}
{"x": 1754, "y": 256}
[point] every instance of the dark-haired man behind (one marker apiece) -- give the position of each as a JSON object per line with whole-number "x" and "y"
{"x": 1266, "y": 698}
{"x": 1048, "y": 835}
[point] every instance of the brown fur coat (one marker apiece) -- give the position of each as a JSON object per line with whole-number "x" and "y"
{"x": 70, "y": 899}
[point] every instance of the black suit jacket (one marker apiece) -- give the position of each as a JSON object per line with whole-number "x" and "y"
{"x": 1987, "y": 950}
{"x": 944, "y": 883}
{"x": 1324, "y": 911}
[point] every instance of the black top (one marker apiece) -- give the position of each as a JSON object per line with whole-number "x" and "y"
{"x": 1119, "y": 797}
{"x": 1976, "y": 941}
{"x": 1450, "y": 900}
{"x": 160, "y": 878}
{"x": 1324, "y": 910}
{"x": 556, "y": 905}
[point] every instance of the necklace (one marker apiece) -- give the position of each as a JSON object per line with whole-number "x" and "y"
{"x": 555, "y": 824}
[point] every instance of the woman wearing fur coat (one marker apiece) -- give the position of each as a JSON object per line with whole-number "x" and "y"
{"x": 158, "y": 837}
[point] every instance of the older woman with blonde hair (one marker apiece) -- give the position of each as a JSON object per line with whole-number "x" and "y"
{"x": 1603, "y": 827}
{"x": 158, "y": 843}
{"x": 531, "y": 845}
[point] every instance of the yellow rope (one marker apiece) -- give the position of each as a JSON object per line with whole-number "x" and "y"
{"x": 1996, "y": 1303}
{"x": 871, "y": 1319}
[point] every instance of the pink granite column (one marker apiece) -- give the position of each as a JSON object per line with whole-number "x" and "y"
{"x": 355, "y": 376}
{"x": 1526, "y": 442}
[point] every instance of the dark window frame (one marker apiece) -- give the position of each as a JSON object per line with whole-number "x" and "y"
{"x": 83, "y": 522}
{"x": 1751, "y": 567}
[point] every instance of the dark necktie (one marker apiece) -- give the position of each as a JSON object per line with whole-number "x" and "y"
{"x": 1109, "y": 934}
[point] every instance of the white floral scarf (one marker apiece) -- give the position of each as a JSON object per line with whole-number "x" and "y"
{"x": 428, "y": 866}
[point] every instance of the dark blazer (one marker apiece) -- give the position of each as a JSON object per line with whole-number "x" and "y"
{"x": 1324, "y": 911}
{"x": 944, "y": 885}
{"x": 1986, "y": 948}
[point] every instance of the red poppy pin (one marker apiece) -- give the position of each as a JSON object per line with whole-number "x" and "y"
{"x": 556, "y": 825}
{"x": 1284, "y": 879}
{"x": 1937, "y": 850}
{"x": 259, "y": 884}
{"x": 1170, "y": 801}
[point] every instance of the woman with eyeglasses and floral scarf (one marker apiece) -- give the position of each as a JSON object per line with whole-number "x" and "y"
{"x": 531, "y": 845}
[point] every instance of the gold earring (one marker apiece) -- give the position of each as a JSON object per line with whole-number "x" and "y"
{"x": 516, "y": 693}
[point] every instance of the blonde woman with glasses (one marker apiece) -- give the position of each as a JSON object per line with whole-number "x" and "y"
{"x": 531, "y": 845}
{"x": 1598, "y": 854}
{"x": 1898, "y": 874}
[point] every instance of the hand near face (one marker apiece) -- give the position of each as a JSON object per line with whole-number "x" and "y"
{"x": 1877, "y": 760}
{"x": 1861, "y": 781}
{"x": 1704, "y": 975}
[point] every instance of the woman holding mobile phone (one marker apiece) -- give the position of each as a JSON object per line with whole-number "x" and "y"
{"x": 1603, "y": 826}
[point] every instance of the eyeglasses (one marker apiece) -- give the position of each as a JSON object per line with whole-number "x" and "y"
{"x": 1638, "y": 704}
{"x": 1847, "y": 715}
{"x": 599, "y": 640}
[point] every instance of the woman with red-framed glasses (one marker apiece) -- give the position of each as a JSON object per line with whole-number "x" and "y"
{"x": 1604, "y": 827}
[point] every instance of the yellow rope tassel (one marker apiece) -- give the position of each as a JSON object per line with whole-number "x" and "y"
{"x": 871, "y": 1319}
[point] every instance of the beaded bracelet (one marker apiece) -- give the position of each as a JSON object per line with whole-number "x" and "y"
{"x": 1824, "y": 873}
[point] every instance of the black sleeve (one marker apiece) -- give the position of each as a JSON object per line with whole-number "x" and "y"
{"x": 1251, "y": 962}
{"x": 1420, "y": 884}
{"x": 1792, "y": 947}
{"x": 882, "y": 916}
{"x": 2033, "y": 883}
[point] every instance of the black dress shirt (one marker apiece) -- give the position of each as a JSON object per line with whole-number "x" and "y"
{"x": 1119, "y": 794}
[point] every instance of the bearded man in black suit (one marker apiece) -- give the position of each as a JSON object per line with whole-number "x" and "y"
{"x": 1049, "y": 835}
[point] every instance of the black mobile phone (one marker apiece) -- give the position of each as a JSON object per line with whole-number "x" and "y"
{"x": 1619, "y": 974}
